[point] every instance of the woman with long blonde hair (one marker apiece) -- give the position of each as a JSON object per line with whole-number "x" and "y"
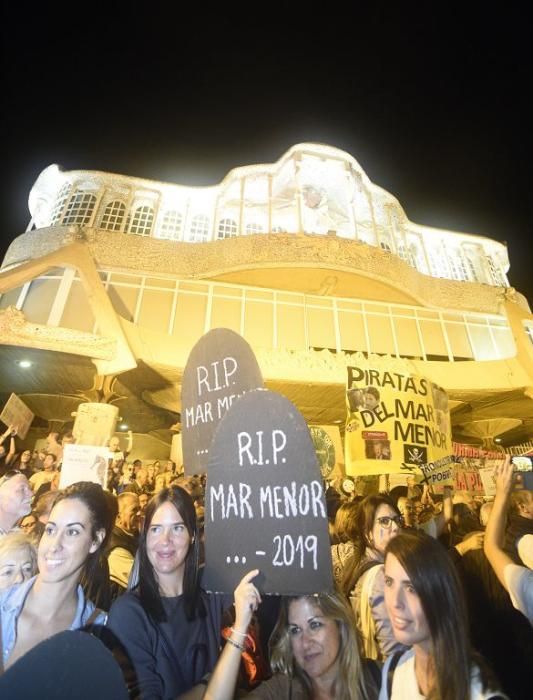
{"x": 314, "y": 653}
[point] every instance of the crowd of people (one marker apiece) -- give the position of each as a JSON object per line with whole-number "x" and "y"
{"x": 433, "y": 593}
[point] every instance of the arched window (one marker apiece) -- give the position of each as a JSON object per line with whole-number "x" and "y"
{"x": 436, "y": 261}
{"x": 405, "y": 255}
{"x": 253, "y": 228}
{"x": 385, "y": 246}
{"x": 461, "y": 265}
{"x": 453, "y": 267}
{"x": 142, "y": 221}
{"x": 226, "y": 228}
{"x": 199, "y": 230}
{"x": 79, "y": 209}
{"x": 113, "y": 216}
{"x": 495, "y": 273}
{"x": 471, "y": 268}
{"x": 59, "y": 204}
{"x": 457, "y": 266}
{"x": 171, "y": 225}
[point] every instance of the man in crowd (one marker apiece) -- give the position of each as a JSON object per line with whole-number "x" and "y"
{"x": 46, "y": 475}
{"x": 15, "y": 499}
{"x": 53, "y": 444}
{"x": 143, "y": 501}
{"x": 114, "y": 445}
{"x": 520, "y": 521}
{"x": 139, "y": 485}
{"x": 124, "y": 540}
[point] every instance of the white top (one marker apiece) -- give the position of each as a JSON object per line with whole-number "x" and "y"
{"x": 519, "y": 583}
{"x": 405, "y": 685}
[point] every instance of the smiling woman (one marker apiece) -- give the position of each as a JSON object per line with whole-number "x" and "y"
{"x": 168, "y": 625}
{"x": 53, "y": 600}
{"x": 314, "y": 654}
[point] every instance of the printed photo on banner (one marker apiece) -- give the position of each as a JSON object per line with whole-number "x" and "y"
{"x": 397, "y": 422}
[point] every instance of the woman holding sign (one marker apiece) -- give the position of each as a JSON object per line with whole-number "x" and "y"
{"x": 170, "y": 628}
{"x": 314, "y": 651}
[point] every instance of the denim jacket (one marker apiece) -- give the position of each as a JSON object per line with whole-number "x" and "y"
{"x": 12, "y": 601}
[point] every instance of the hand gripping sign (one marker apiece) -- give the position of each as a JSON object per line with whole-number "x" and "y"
{"x": 221, "y": 368}
{"x": 265, "y": 505}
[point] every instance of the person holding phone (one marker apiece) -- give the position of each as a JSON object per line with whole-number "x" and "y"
{"x": 516, "y": 578}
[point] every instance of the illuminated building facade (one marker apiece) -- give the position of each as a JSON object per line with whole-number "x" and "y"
{"x": 306, "y": 258}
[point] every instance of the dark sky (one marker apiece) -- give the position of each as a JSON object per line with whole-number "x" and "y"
{"x": 430, "y": 101}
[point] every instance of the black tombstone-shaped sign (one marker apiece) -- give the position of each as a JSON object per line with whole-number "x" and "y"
{"x": 221, "y": 367}
{"x": 265, "y": 505}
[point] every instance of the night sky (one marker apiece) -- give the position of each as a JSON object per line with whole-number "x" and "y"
{"x": 430, "y": 101}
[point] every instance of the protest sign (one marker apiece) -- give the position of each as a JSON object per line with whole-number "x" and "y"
{"x": 438, "y": 473}
{"x": 474, "y": 467}
{"x": 467, "y": 477}
{"x": 397, "y": 422}
{"x": 221, "y": 368}
{"x": 487, "y": 479}
{"x": 84, "y": 463}
{"x": 471, "y": 472}
{"x": 265, "y": 506}
{"x": 328, "y": 448}
{"x": 16, "y": 414}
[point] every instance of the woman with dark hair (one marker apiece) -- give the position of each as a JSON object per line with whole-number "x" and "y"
{"x": 314, "y": 653}
{"x": 348, "y": 547}
{"x": 170, "y": 628}
{"x": 378, "y": 521}
{"x": 53, "y": 600}
{"x": 425, "y": 604}
{"x": 24, "y": 462}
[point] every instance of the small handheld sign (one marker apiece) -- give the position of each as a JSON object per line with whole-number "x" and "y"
{"x": 16, "y": 414}
{"x": 221, "y": 367}
{"x": 265, "y": 505}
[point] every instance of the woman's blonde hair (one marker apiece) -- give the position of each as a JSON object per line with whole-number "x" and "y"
{"x": 18, "y": 540}
{"x": 351, "y": 682}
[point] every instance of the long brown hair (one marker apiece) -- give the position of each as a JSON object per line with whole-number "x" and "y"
{"x": 435, "y": 580}
{"x": 144, "y": 577}
{"x": 364, "y": 522}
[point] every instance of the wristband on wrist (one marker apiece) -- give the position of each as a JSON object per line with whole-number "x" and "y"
{"x": 241, "y": 634}
{"x": 235, "y": 644}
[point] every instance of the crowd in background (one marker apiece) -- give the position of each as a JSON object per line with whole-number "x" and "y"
{"x": 433, "y": 592}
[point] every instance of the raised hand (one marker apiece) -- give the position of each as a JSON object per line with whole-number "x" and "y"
{"x": 247, "y": 600}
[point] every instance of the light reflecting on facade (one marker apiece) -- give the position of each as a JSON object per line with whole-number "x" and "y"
{"x": 271, "y": 319}
{"x": 313, "y": 189}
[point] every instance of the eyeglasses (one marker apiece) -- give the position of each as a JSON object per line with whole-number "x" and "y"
{"x": 387, "y": 520}
{"x": 9, "y": 475}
